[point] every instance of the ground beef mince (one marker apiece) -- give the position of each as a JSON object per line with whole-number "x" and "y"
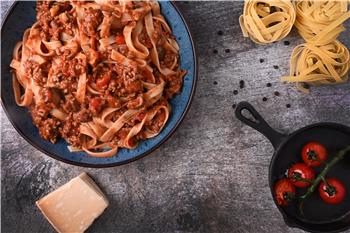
{"x": 48, "y": 127}
{"x": 49, "y": 20}
{"x": 70, "y": 104}
{"x": 70, "y": 131}
{"x": 92, "y": 19}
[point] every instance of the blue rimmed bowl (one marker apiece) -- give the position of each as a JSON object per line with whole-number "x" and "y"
{"x": 20, "y": 17}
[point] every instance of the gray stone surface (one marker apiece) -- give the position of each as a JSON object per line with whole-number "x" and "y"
{"x": 211, "y": 176}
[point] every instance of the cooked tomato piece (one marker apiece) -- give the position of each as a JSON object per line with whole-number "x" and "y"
{"x": 119, "y": 39}
{"x": 95, "y": 104}
{"x": 147, "y": 76}
{"x": 103, "y": 82}
{"x": 113, "y": 102}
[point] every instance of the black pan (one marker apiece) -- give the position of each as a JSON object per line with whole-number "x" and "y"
{"x": 318, "y": 216}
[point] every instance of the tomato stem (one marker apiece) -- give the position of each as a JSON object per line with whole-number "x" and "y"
{"x": 324, "y": 180}
{"x": 329, "y": 188}
{"x": 312, "y": 155}
{"x": 288, "y": 196}
{"x": 340, "y": 155}
{"x": 297, "y": 177}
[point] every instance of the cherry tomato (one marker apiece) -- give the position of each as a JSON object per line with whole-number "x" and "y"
{"x": 119, "y": 39}
{"x": 332, "y": 192}
{"x": 284, "y": 191}
{"x": 102, "y": 83}
{"x": 301, "y": 175}
{"x": 314, "y": 154}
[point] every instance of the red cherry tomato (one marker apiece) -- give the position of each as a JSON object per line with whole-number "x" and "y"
{"x": 284, "y": 192}
{"x": 314, "y": 154}
{"x": 301, "y": 175}
{"x": 120, "y": 39}
{"x": 332, "y": 192}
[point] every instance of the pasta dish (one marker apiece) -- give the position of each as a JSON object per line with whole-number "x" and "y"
{"x": 97, "y": 73}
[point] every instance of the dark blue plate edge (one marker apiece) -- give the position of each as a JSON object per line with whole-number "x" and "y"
{"x": 188, "y": 105}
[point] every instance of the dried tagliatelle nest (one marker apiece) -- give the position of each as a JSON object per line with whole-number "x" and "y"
{"x": 267, "y": 21}
{"x": 322, "y": 59}
{"x": 320, "y": 22}
{"x": 317, "y": 65}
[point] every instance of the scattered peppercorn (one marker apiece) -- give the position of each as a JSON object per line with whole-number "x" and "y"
{"x": 241, "y": 84}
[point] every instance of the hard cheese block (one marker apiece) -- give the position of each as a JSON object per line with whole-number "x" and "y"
{"x": 74, "y": 206}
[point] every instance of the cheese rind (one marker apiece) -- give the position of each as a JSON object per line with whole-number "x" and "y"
{"x": 73, "y": 207}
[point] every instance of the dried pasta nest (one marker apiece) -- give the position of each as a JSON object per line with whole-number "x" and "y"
{"x": 267, "y": 21}
{"x": 317, "y": 65}
{"x": 321, "y": 22}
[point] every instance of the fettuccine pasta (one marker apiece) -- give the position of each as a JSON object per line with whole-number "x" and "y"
{"x": 317, "y": 65}
{"x": 98, "y": 74}
{"x": 322, "y": 59}
{"x": 320, "y": 22}
{"x": 266, "y": 21}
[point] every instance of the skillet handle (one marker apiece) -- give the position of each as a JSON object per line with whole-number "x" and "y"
{"x": 258, "y": 123}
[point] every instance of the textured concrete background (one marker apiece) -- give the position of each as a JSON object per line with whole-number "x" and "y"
{"x": 211, "y": 176}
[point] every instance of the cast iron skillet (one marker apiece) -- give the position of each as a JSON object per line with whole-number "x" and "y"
{"x": 319, "y": 216}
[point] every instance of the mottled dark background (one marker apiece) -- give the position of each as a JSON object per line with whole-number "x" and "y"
{"x": 211, "y": 176}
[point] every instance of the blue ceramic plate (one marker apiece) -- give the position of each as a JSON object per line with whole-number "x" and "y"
{"x": 22, "y": 16}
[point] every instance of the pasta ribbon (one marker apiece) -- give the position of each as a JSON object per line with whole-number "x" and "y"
{"x": 267, "y": 21}
{"x": 321, "y": 22}
{"x": 317, "y": 65}
{"x": 322, "y": 59}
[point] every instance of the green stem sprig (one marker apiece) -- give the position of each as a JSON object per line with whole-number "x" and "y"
{"x": 340, "y": 155}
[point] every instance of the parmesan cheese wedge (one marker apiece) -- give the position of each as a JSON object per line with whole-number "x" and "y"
{"x": 73, "y": 207}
